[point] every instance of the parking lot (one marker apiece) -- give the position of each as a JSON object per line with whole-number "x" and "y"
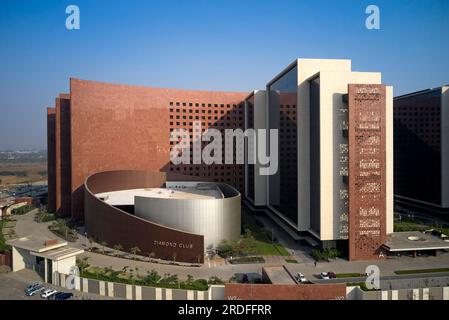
{"x": 12, "y": 286}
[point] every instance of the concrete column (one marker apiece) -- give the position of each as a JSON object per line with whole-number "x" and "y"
{"x": 158, "y": 293}
{"x": 190, "y": 295}
{"x": 415, "y": 294}
{"x": 168, "y": 294}
{"x": 394, "y": 294}
{"x": 110, "y": 289}
{"x": 102, "y": 288}
{"x": 425, "y": 293}
{"x": 138, "y": 292}
{"x": 129, "y": 292}
{"x": 62, "y": 284}
{"x": 85, "y": 285}
{"x": 446, "y": 293}
{"x": 45, "y": 269}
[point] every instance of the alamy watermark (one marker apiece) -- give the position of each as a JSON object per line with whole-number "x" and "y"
{"x": 372, "y": 22}
{"x": 72, "y": 278}
{"x": 372, "y": 281}
{"x": 212, "y": 153}
{"x": 72, "y": 21}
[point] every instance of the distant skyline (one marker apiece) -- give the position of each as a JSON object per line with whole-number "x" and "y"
{"x": 208, "y": 45}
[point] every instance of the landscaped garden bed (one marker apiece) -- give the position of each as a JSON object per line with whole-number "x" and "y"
{"x": 149, "y": 278}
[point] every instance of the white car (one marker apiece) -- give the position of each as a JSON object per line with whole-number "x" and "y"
{"x": 48, "y": 293}
{"x": 324, "y": 276}
{"x": 301, "y": 278}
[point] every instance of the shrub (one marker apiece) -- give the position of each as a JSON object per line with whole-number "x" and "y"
{"x": 244, "y": 260}
{"x": 225, "y": 249}
{"x": 23, "y": 209}
{"x": 43, "y": 216}
{"x": 60, "y": 228}
{"x": 325, "y": 254}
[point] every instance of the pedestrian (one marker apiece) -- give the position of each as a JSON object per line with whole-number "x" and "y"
{"x": 315, "y": 263}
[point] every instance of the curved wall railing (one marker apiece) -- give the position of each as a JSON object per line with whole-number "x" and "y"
{"x": 114, "y": 226}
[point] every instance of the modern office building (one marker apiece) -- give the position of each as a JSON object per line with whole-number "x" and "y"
{"x": 333, "y": 180}
{"x": 335, "y": 150}
{"x": 421, "y": 150}
{"x": 100, "y": 126}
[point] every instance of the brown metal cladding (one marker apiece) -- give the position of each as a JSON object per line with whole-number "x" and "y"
{"x": 107, "y": 223}
{"x": 367, "y": 170}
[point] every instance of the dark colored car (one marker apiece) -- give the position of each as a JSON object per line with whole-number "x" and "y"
{"x": 331, "y": 275}
{"x": 31, "y": 287}
{"x": 63, "y": 296}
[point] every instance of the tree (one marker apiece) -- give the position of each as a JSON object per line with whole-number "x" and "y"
{"x": 225, "y": 249}
{"x": 135, "y": 250}
{"x": 151, "y": 255}
{"x": 91, "y": 242}
{"x": 118, "y": 247}
{"x": 103, "y": 245}
{"x": 83, "y": 264}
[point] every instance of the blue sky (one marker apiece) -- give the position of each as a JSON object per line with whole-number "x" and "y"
{"x": 211, "y": 45}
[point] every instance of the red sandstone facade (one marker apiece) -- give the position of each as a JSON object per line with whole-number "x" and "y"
{"x": 101, "y": 126}
{"x": 367, "y": 171}
{"x": 237, "y": 291}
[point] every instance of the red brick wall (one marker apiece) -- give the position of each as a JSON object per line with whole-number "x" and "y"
{"x": 63, "y": 161}
{"x": 285, "y": 291}
{"x": 121, "y": 127}
{"x": 51, "y": 159}
{"x": 6, "y": 259}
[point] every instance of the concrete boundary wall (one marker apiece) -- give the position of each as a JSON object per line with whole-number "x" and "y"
{"x": 135, "y": 292}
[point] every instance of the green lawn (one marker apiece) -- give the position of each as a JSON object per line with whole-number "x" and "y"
{"x": 414, "y": 225}
{"x": 244, "y": 260}
{"x": 263, "y": 237}
{"x": 291, "y": 260}
{"x": 349, "y": 275}
{"x": 9, "y": 224}
{"x": 422, "y": 271}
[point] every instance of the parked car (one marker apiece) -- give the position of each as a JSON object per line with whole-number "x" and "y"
{"x": 31, "y": 286}
{"x": 48, "y": 293}
{"x": 63, "y": 295}
{"x": 301, "y": 278}
{"x": 331, "y": 275}
{"x": 35, "y": 290}
{"x": 324, "y": 276}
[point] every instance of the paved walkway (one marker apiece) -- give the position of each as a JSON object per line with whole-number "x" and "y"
{"x": 26, "y": 226}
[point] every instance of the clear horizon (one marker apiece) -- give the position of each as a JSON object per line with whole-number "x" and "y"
{"x": 206, "y": 45}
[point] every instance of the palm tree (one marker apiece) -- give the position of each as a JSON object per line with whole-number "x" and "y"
{"x": 135, "y": 250}
{"x": 91, "y": 241}
{"x": 103, "y": 245}
{"x": 151, "y": 255}
{"x": 118, "y": 247}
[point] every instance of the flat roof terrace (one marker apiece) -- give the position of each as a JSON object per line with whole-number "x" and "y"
{"x": 415, "y": 241}
{"x": 278, "y": 275}
{"x": 126, "y": 197}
